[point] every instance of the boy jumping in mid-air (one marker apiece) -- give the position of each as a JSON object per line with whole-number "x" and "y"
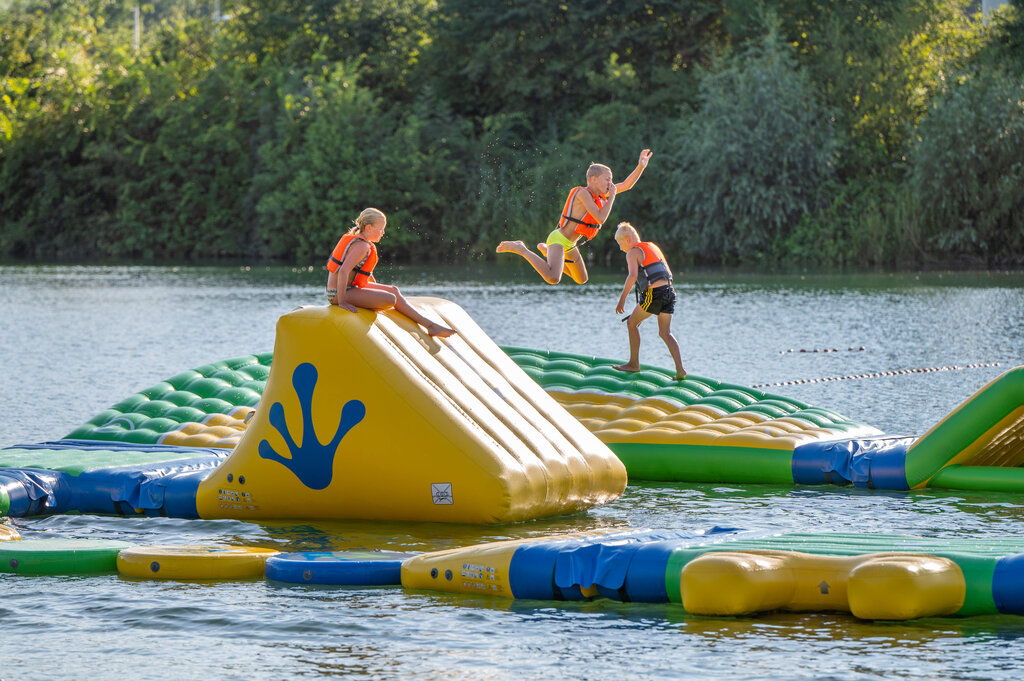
{"x": 649, "y": 271}
{"x": 585, "y": 211}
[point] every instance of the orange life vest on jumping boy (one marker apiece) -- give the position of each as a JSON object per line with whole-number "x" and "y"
{"x": 589, "y": 225}
{"x": 363, "y": 270}
{"x": 653, "y": 268}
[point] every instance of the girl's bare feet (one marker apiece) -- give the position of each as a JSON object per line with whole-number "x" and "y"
{"x": 435, "y": 329}
{"x": 680, "y": 375}
{"x": 630, "y": 368}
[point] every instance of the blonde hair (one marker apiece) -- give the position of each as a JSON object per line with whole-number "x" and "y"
{"x": 369, "y": 216}
{"x": 626, "y": 229}
{"x": 597, "y": 169}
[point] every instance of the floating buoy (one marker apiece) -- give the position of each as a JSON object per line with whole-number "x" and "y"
{"x": 852, "y": 348}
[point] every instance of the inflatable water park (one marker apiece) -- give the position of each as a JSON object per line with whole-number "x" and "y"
{"x": 363, "y": 416}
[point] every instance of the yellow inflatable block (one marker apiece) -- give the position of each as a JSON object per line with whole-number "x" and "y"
{"x": 193, "y": 562}
{"x": 217, "y": 430}
{"x": 365, "y": 416}
{"x": 618, "y": 419}
{"x": 884, "y": 586}
{"x": 485, "y": 571}
{"x": 480, "y": 569}
{"x": 902, "y": 587}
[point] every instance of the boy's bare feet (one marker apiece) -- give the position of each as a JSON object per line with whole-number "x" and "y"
{"x": 627, "y": 367}
{"x": 680, "y": 375}
{"x": 510, "y": 247}
{"x": 435, "y": 329}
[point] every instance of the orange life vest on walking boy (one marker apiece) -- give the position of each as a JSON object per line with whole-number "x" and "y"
{"x": 653, "y": 268}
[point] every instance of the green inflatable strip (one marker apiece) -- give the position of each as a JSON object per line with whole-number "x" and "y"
{"x": 705, "y": 463}
{"x": 60, "y": 556}
{"x": 976, "y": 558}
{"x": 5, "y": 502}
{"x": 961, "y": 429}
{"x": 989, "y": 478}
{"x": 75, "y": 461}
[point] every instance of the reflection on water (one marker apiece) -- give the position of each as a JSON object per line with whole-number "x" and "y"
{"x": 78, "y": 339}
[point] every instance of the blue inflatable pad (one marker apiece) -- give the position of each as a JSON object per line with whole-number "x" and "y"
{"x": 165, "y": 486}
{"x": 875, "y": 463}
{"x": 613, "y": 563}
{"x": 1008, "y": 584}
{"x": 346, "y": 568}
{"x": 33, "y": 491}
{"x": 88, "y": 445}
{"x": 167, "y": 489}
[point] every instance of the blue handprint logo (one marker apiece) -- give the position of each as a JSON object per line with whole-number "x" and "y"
{"x": 311, "y": 462}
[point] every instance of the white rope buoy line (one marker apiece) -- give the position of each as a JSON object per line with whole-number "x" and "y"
{"x": 878, "y": 374}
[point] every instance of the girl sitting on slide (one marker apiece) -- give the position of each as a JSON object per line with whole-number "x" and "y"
{"x": 350, "y": 282}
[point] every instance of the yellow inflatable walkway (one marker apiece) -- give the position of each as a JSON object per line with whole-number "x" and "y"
{"x": 364, "y": 416}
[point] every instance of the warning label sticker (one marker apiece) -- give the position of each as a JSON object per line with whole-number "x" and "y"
{"x": 441, "y": 492}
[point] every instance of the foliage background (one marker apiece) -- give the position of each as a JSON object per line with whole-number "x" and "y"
{"x": 838, "y": 133}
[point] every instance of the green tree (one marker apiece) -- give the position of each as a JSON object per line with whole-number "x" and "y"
{"x": 553, "y": 60}
{"x": 756, "y": 155}
{"x": 873, "y": 63}
{"x": 967, "y": 170}
{"x": 385, "y": 37}
{"x": 51, "y": 87}
{"x": 1004, "y": 49}
{"x": 332, "y": 150}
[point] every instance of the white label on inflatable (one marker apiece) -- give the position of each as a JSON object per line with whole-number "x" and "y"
{"x": 441, "y": 493}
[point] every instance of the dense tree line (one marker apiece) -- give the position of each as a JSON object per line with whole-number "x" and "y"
{"x": 829, "y": 132}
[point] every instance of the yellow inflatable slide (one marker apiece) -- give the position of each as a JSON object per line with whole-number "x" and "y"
{"x": 365, "y": 416}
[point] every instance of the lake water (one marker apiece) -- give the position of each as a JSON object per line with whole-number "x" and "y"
{"x": 74, "y": 340}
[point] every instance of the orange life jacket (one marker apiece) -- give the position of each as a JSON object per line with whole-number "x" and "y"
{"x": 363, "y": 270}
{"x": 653, "y": 268}
{"x": 589, "y": 225}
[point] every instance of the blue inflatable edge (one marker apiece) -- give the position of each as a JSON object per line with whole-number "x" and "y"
{"x": 88, "y": 445}
{"x": 292, "y": 569}
{"x": 166, "y": 489}
{"x": 1008, "y": 584}
{"x": 625, "y": 566}
{"x": 873, "y": 463}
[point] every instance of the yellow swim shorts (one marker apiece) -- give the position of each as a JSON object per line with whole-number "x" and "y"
{"x": 556, "y": 237}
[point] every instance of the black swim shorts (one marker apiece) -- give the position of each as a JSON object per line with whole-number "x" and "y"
{"x": 658, "y": 300}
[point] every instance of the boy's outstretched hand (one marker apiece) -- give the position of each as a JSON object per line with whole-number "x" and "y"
{"x": 645, "y": 156}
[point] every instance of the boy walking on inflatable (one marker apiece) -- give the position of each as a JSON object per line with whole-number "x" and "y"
{"x": 585, "y": 211}
{"x": 652, "y": 278}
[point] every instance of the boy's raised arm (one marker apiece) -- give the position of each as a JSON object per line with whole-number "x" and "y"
{"x": 641, "y": 165}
